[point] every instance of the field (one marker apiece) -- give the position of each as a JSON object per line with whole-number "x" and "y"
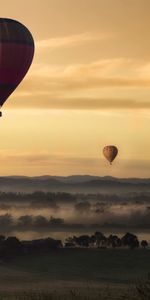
{"x": 74, "y": 272}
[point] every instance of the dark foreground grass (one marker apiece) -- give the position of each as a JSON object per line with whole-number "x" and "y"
{"x": 72, "y": 295}
{"x": 140, "y": 291}
{"x": 118, "y": 266}
{"x": 77, "y": 274}
{"x": 54, "y": 296}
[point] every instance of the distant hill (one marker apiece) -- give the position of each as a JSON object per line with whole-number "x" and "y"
{"x": 74, "y": 184}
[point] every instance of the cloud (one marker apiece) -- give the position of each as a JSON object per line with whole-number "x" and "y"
{"x": 83, "y": 103}
{"x": 44, "y": 159}
{"x": 122, "y": 68}
{"x": 78, "y": 86}
{"x": 69, "y": 160}
{"x": 71, "y": 40}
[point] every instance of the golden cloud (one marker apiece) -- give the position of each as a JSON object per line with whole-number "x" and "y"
{"x": 68, "y": 87}
{"x": 71, "y": 40}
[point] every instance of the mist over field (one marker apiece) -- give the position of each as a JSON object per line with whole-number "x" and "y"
{"x": 114, "y": 205}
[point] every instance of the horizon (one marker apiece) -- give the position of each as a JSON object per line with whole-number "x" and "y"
{"x": 73, "y": 175}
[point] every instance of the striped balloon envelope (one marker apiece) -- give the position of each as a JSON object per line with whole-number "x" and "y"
{"x": 16, "y": 54}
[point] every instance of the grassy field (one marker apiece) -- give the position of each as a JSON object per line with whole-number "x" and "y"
{"x": 70, "y": 273}
{"x": 96, "y": 265}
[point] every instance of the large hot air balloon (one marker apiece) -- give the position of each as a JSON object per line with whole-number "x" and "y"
{"x": 16, "y": 54}
{"x": 110, "y": 152}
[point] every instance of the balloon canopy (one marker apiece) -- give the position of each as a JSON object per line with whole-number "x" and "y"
{"x": 16, "y": 54}
{"x": 110, "y": 152}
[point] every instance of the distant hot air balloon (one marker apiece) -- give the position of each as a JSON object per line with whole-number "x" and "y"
{"x": 110, "y": 152}
{"x": 16, "y": 54}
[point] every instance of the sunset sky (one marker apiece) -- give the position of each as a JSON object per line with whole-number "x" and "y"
{"x": 88, "y": 86}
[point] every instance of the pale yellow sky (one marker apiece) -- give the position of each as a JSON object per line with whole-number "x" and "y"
{"x": 88, "y": 86}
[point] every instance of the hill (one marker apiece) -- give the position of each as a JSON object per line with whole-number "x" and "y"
{"x": 74, "y": 184}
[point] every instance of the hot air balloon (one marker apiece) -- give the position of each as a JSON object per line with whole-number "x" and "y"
{"x": 110, "y": 152}
{"x": 16, "y": 54}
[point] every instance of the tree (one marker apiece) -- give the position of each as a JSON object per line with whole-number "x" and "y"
{"x": 130, "y": 240}
{"x": 100, "y": 239}
{"x": 82, "y": 241}
{"x": 12, "y": 246}
{"x": 114, "y": 241}
{"x": 144, "y": 244}
{"x": 2, "y": 238}
{"x": 83, "y": 207}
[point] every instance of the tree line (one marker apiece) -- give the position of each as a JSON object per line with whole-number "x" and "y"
{"x": 99, "y": 240}
{"x": 12, "y": 246}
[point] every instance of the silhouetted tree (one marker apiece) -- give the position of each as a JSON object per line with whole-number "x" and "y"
{"x": 56, "y": 221}
{"x": 12, "y": 246}
{"x": 82, "y": 241}
{"x": 114, "y": 241}
{"x": 25, "y": 221}
{"x": 100, "y": 239}
{"x": 40, "y": 221}
{"x": 2, "y": 238}
{"x": 144, "y": 244}
{"x": 130, "y": 240}
{"x": 83, "y": 206}
{"x": 41, "y": 245}
{"x": 70, "y": 242}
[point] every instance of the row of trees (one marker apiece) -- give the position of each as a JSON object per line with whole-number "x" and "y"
{"x": 99, "y": 240}
{"x": 12, "y": 246}
{"x": 52, "y": 198}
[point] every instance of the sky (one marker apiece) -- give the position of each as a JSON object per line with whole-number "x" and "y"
{"x": 88, "y": 86}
